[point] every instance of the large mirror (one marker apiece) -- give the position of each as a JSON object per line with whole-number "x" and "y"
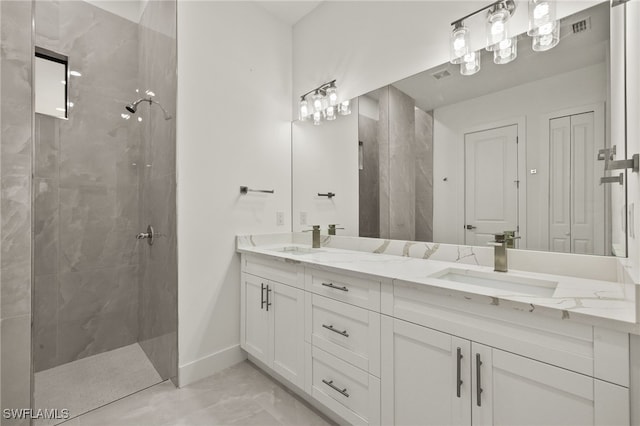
{"x": 456, "y": 159}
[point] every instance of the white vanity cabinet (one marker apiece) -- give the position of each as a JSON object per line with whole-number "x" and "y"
{"x": 272, "y": 325}
{"x": 380, "y": 351}
{"x": 434, "y": 378}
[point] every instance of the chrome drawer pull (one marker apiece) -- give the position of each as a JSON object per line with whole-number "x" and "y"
{"x": 478, "y": 381}
{"x": 335, "y": 388}
{"x": 331, "y": 285}
{"x": 330, "y": 327}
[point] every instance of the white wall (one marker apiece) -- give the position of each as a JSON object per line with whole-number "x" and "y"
{"x": 234, "y": 92}
{"x": 368, "y": 44}
{"x": 529, "y": 101}
{"x": 325, "y": 159}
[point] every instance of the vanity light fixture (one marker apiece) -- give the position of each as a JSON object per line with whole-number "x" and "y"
{"x": 322, "y": 104}
{"x": 544, "y": 29}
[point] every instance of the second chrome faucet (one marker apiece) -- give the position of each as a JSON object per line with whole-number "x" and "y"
{"x": 501, "y": 243}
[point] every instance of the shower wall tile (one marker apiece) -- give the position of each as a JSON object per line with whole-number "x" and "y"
{"x": 424, "y": 175}
{"x": 46, "y": 225}
{"x": 383, "y": 158}
{"x": 45, "y": 322}
{"x": 15, "y": 361}
{"x": 402, "y": 183}
{"x": 47, "y": 146}
{"x": 15, "y": 204}
{"x": 369, "y": 188}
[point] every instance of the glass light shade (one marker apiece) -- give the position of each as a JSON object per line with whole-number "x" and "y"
{"x": 459, "y": 44}
{"x": 304, "y": 109}
{"x": 317, "y": 118}
{"x": 318, "y": 102}
{"x": 471, "y": 64}
{"x": 344, "y": 108}
{"x": 547, "y": 41}
{"x": 330, "y": 113}
{"x": 541, "y": 14}
{"x": 332, "y": 95}
{"x": 497, "y": 29}
{"x": 506, "y": 52}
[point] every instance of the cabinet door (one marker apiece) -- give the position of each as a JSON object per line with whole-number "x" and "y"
{"x": 425, "y": 376}
{"x": 287, "y": 332}
{"x": 512, "y": 390}
{"x": 254, "y": 317}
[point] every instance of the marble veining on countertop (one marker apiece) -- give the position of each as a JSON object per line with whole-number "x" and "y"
{"x": 595, "y": 302}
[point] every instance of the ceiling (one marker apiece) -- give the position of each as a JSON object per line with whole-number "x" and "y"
{"x": 573, "y": 52}
{"x": 289, "y": 12}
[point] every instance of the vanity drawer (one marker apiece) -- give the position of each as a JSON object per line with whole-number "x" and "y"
{"x": 346, "y": 331}
{"x": 282, "y": 271}
{"x": 350, "y": 392}
{"x": 356, "y": 291}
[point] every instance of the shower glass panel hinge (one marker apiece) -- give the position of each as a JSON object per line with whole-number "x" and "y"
{"x": 633, "y": 164}
{"x": 613, "y": 179}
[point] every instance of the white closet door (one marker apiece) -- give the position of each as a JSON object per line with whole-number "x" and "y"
{"x": 491, "y": 183}
{"x": 560, "y": 185}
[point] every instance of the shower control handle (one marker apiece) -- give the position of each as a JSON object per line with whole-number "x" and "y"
{"x": 149, "y": 235}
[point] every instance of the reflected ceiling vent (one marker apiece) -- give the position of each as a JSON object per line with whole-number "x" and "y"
{"x": 439, "y": 75}
{"x": 581, "y": 26}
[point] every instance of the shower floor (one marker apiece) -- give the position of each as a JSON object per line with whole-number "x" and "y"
{"x": 92, "y": 382}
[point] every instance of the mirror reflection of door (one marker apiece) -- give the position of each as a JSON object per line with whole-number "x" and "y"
{"x": 491, "y": 183}
{"x": 576, "y": 200}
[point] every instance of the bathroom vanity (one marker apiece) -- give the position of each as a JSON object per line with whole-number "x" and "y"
{"x": 391, "y": 339}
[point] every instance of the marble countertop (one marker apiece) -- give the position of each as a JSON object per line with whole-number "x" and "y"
{"x": 599, "y": 303}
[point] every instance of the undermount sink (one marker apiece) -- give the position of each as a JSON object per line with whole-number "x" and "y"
{"x": 499, "y": 281}
{"x": 296, "y": 250}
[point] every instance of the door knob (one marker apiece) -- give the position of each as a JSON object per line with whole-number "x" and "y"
{"x": 470, "y": 227}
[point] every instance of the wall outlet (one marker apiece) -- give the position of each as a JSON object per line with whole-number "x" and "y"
{"x": 303, "y": 218}
{"x": 280, "y": 218}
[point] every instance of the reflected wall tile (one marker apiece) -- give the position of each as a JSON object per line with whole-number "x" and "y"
{"x": 45, "y": 232}
{"x": 383, "y": 146}
{"x": 15, "y": 219}
{"x": 82, "y": 338}
{"x": 47, "y": 146}
{"x": 45, "y": 321}
{"x": 15, "y": 358}
{"x": 15, "y": 291}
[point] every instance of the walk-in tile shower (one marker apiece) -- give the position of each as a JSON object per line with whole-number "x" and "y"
{"x": 103, "y": 303}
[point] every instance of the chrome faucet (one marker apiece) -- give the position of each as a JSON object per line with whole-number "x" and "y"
{"x": 315, "y": 237}
{"x": 501, "y": 242}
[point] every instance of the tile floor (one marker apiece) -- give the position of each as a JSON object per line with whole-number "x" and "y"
{"x": 86, "y": 384}
{"x": 239, "y": 395}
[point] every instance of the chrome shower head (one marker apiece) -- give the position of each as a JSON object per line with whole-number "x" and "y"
{"x": 133, "y": 107}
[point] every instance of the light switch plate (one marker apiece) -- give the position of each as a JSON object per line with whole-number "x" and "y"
{"x": 280, "y": 218}
{"x": 303, "y": 218}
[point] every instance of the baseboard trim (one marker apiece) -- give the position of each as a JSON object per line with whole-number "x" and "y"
{"x": 210, "y": 364}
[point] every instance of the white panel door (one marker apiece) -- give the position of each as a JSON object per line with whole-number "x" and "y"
{"x": 287, "y": 331}
{"x": 576, "y": 203}
{"x": 515, "y": 390}
{"x": 255, "y": 318}
{"x": 587, "y": 195}
{"x": 560, "y": 185}
{"x": 425, "y": 376}
{"x": 491, "y": 183}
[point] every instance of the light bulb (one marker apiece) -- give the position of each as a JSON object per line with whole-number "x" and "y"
{"x": 471, "y": 64}
{"x": 542, "y": 13}
{"x": 317, "y": 118}
{"x": 332, "y": 95}
{"x": 497, "y": 30}
{"x": 459, "y": 43}
{"x": 507, "y": 51}
{"x": 547, "y": 41}
{"x": 304, "y": 109}
{"x": 317, "y": 101}
{"x": 330, "y": 113}
{"x": 344, "y": 108}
